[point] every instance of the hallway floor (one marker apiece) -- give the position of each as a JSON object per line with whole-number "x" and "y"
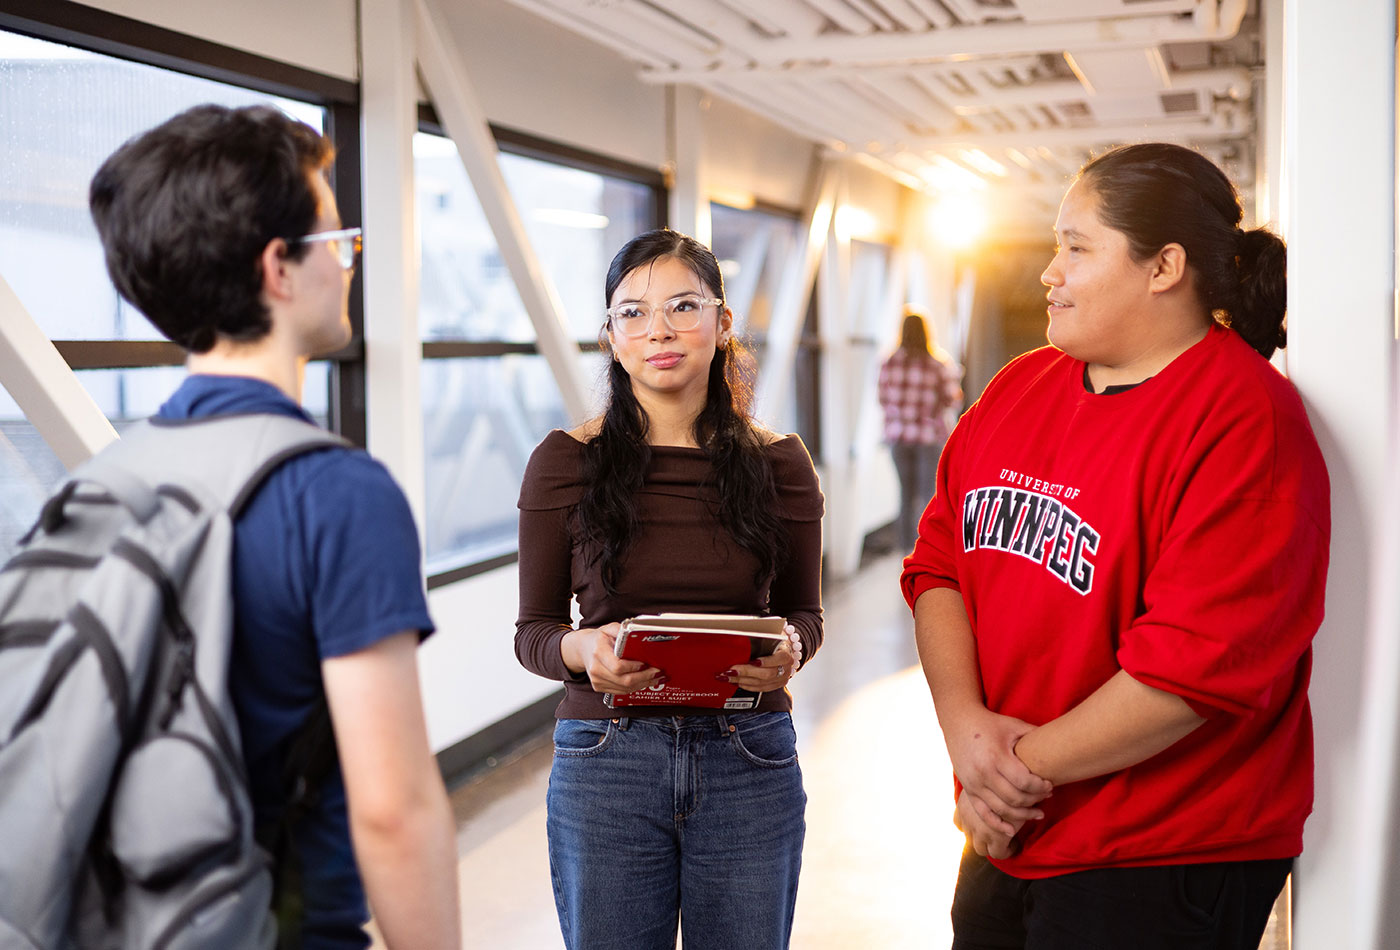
{"x": 881, "y": 854}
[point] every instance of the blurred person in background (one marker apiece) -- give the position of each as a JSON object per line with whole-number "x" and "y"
{"x": 920, "y": 394}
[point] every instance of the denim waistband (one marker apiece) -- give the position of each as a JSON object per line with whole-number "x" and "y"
{"x": 721, "y": 724}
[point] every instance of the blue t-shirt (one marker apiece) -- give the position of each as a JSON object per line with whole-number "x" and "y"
{"x": 326, "y": 563}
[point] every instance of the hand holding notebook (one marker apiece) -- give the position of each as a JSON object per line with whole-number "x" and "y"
{"x": 693, "y": 650}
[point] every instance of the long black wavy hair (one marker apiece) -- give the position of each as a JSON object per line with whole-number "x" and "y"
{"x": 1158, "y": 194}
{"x": 616, "y": 459}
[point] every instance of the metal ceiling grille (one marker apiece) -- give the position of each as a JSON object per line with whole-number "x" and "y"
{"x": 1009, "y": 95}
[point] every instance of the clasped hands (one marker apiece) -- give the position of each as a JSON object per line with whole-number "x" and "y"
{"x": 594, "y": 652}
{"x": 999, "y": 793}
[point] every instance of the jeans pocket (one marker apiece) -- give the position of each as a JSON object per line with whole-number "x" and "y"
{"x": 579, "y": 738}
{"x": 767, "y": 740}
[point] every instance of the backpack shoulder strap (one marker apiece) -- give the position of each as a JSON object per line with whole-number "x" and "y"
{"x": 226, "y": 457}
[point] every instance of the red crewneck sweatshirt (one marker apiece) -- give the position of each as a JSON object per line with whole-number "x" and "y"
{"x": 1178, "y": 531}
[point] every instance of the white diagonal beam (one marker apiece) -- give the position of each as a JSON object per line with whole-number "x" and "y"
{"x": 793, "y": 296}
{"x": 743, "y": 288}
{"x": 47, "y": 391}
{"x": 441, "y": 66}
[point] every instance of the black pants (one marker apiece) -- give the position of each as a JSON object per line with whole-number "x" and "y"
{"x": 1175, "y": 907}
{"x": 917, "y": 467}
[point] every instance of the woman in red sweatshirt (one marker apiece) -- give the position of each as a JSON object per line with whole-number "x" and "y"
{"x": 1116, "y": 586}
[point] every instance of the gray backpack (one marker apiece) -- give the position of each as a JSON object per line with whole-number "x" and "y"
{"x": 125, "y": 819}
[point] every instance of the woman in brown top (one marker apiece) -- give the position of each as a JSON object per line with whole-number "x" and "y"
{"x": 672, "y": 500}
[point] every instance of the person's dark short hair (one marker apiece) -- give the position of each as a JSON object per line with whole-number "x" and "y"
{"x": 185, "y": 210}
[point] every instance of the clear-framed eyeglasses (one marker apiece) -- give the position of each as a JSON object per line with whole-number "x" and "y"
{"x": 680, "y": 313}
{"x": 346, "y": 244}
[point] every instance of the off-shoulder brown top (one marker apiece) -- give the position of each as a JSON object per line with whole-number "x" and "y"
{"x": 682, "y": 560}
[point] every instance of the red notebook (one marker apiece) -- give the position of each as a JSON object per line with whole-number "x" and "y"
{"x": 691, "y": 649}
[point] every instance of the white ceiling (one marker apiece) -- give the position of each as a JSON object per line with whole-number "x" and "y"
{"x": 1007, "y": 97}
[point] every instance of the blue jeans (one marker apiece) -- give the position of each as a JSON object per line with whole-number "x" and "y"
{"x": 699, "y": 817}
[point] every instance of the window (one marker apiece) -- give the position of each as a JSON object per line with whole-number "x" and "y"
{"x": 63, "y": 111}
{"x": 868, "y": 310}
{"x": 28, "y": 469}
{"x": 756, "y": 248}
{"x": 482, "y": 417}
{"x": 488, "y": 397}
{"x": 869, "y": 290}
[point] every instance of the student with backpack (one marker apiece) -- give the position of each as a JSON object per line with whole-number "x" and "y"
{"x": 220, "y": 227}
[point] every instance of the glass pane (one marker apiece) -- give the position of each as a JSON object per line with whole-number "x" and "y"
{"x": 595, "y": 375}
{"x": 754, "y": 248}
{"x": 788, "y": 418}
{"x": 316, "y": 392}
{"x": 28, "y": 468}
{"x": 63, "y": 111}
{"x": 869, "y": 317}
{"x": 464, "y": 290}
{"x": 576, "y": 220}
{"x": 870, "y": 271}
{"x": 481, "y": 420}
{"x": 130, "y": 395}
{"x": 28, "y": 472}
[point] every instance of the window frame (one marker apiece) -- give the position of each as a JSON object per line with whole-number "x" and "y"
{"x": 121, "y": 37}
{"x": 525, "y": 144}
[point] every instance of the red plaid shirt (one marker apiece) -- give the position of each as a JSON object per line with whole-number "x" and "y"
{"x": 919, "y": 395}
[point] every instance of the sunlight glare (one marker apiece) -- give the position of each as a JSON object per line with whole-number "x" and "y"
{"x": 854, "y": 222}
{"x": 958, "y": 220}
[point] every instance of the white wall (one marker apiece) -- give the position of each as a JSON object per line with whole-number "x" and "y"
{"x": 1339, "y": 219}
{"x": 745, "y": 155}
{"x": 315, "y": 34}
{"x": 879, "y": 196}
{"x": 468, "y": 669}
{"x": 539, "y": 78}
